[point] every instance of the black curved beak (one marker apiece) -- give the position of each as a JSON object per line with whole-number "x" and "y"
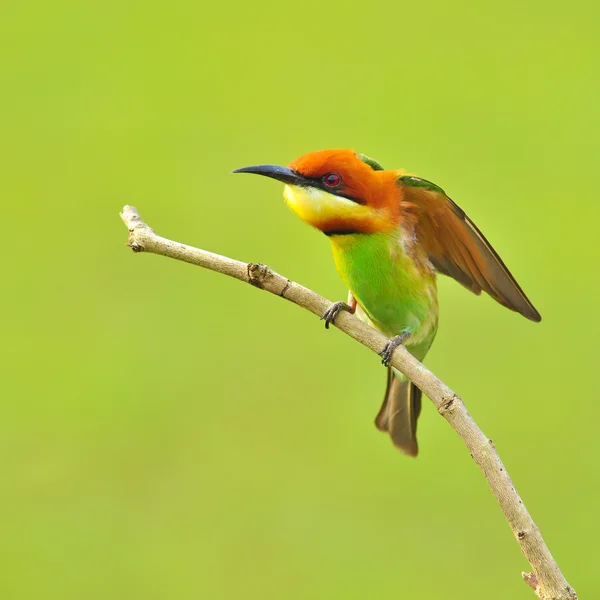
{"x": 280, "y": 173}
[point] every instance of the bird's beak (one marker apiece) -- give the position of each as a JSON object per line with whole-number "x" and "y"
{"x": 280, "y": 173}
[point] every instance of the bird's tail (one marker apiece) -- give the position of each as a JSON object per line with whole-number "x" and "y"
{"x": 399, "y": 413}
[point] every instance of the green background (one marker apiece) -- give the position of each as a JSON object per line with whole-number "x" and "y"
{"x": 168, "y": 433}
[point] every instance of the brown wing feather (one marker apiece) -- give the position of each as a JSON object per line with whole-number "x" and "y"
{"x": 457, "y": 248}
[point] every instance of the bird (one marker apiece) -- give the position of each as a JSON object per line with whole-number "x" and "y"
{"x": 391, "y": 234}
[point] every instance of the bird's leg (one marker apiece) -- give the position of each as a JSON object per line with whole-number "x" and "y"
{"x": 390, "y": 346}
{"x": 337, "y": 307}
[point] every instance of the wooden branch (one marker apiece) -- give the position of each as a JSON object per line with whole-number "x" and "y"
{"x": 546, "y": 579}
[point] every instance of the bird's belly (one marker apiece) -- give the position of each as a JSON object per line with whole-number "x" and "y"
{"x": 415, "y": 313}
{"x": 393, "y": 294}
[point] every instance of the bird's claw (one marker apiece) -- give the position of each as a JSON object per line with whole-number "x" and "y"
{"x": 388, "y": 350}
{"x": 333, "y": 311}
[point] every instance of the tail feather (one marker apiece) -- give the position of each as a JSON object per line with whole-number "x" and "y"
{"x": 399, "y": 413}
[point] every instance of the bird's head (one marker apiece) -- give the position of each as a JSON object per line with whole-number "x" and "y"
{"x": 338, "y": 191}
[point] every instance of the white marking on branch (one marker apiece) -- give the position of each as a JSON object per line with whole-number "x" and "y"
{"x": 546, "y": 579}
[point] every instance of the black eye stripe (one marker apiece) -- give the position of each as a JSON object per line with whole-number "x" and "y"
{"x": 347, "y": 196}
{"x": 317, "y": 182}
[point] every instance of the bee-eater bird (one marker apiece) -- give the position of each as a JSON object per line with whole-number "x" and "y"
{"x": 391, "y": 233}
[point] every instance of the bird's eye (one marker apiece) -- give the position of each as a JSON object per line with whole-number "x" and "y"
{"x": 332, "y": 180}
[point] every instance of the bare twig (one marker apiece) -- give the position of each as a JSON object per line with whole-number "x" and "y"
{"x": 546, "y": 579}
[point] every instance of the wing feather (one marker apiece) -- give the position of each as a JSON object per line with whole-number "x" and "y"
{"x": 457, "y": 248}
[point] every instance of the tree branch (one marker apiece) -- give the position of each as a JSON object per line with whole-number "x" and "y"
{"x": 546, "y": 579}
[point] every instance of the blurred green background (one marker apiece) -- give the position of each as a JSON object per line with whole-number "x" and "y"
{"x": 166, "y": 432}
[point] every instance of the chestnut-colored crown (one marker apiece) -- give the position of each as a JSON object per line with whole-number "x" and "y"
{"x": 375, "y": 188}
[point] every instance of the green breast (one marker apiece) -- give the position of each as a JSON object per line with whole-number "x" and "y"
{"x": 390, "y": 287}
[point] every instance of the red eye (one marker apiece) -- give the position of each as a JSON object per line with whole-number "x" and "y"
{"x": 332, "y": 179}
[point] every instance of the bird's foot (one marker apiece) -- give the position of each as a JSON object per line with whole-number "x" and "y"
{"x": 390, "y": 346}
{"x": 333, "y": 311}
